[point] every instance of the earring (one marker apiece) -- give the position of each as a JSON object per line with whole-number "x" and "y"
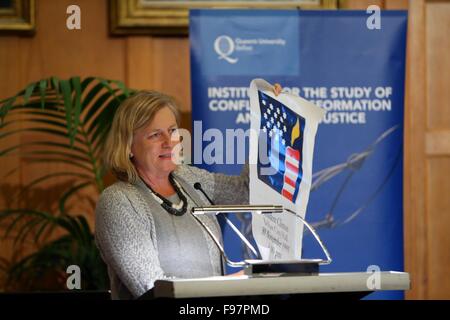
{"x": 131, "y": 155}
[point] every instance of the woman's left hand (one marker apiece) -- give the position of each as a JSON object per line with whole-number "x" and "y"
{"x": 277, "y": 89}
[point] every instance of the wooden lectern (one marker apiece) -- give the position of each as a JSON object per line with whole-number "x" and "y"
{"x": 338, "y": 285}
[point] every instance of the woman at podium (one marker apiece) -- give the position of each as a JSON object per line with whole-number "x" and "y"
{"x": 143, "y": 227}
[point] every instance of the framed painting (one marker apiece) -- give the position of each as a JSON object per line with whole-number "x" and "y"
{"x": 17, "y": 16}
{"x": 171, "y": 17}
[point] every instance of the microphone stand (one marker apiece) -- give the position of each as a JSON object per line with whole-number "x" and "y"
{"x": 198, "y": 186}
{"x": 254, "y": 267}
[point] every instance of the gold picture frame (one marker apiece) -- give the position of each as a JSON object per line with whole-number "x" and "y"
{"x": 17, "y": 17}
{"x": 171, "y": 17}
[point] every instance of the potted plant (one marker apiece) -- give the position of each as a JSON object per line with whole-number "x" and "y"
{"x": 68, "y": 120}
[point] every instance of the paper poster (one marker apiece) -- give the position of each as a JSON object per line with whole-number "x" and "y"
{"x": 283, "y": 130}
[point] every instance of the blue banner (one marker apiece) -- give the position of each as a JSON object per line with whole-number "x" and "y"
{"x": 357, "y": 75}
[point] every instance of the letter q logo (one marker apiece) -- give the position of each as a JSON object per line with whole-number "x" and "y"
{"x": 224, "y": 47}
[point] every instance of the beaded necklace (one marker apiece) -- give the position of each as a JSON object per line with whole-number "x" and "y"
{"x": 175, "y": 209}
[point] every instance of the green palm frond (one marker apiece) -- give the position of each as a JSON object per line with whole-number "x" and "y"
{"x": 71, "y": 116}
{"x": 75, "y": 247}
{"x": 69, "y": 119}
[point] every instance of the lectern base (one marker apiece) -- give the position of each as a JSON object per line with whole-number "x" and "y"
{"x": 257, "y": 268}
{"x": 280, "y": 285}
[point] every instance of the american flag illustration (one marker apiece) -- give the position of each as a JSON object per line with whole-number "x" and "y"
{"x": 283, "y": 129}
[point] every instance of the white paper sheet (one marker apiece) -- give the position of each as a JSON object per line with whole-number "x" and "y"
{"x": 280, "y": 166}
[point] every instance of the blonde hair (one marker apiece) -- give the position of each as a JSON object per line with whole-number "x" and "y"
{"x": 133, "y": 113}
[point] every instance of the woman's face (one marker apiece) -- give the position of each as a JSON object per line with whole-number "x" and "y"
{"x": 153, "y": 145}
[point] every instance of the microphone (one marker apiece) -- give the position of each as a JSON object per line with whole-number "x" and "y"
{"x": 198, "y": 186}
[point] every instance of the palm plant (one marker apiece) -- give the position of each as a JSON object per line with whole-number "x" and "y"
{"x": 69, "y": 120}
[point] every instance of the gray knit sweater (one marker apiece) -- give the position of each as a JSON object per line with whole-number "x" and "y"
{"x": 126, "y": 235}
